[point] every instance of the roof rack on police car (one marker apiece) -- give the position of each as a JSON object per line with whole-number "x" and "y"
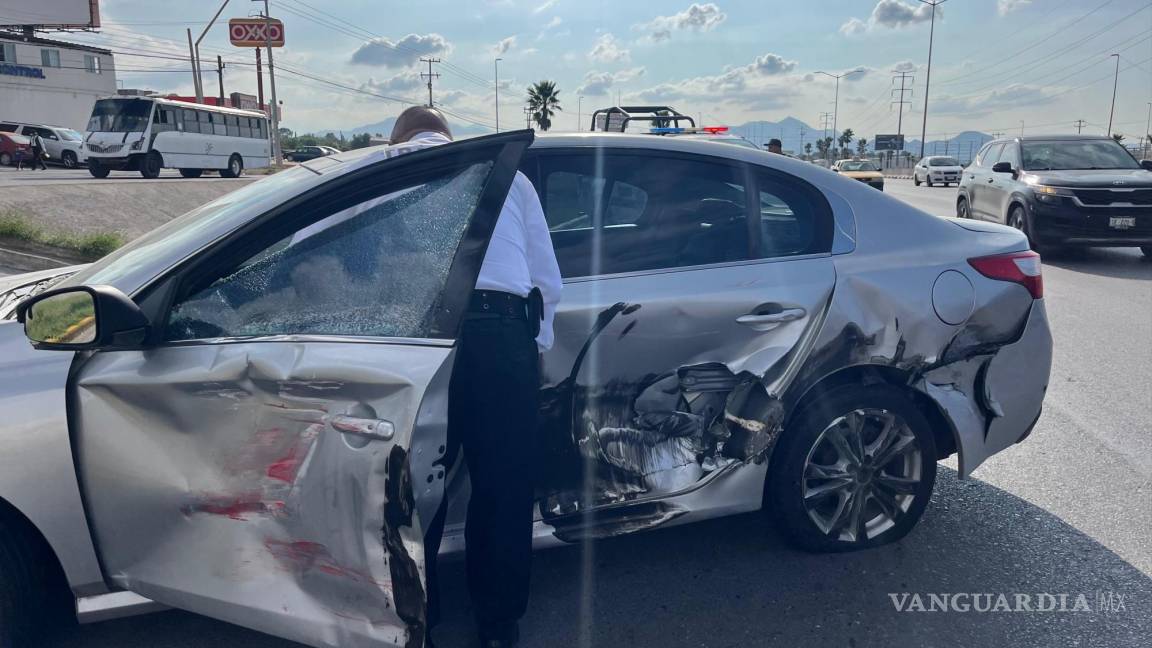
{"x": 616, "y": 118}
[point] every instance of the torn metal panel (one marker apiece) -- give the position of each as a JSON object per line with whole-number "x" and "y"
{"x": 274, "y": 482}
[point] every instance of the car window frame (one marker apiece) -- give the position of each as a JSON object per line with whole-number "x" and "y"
{"x": 157, "y": 298}
{"x": 999, "y": 147}
{"x": 532, "y": 168}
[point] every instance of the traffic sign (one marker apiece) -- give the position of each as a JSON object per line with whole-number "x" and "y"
{"x": 256, "y": 32}
{"x": 888, "y": 142}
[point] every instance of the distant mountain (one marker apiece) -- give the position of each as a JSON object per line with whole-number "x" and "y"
{"x": 460, "y": 129}
{"x": 794, "y": 133}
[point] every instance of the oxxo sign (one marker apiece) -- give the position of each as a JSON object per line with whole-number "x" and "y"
{"x": 256, "y": 32}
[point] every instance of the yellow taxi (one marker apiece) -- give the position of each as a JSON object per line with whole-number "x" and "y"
{"x": 862, "y": 170}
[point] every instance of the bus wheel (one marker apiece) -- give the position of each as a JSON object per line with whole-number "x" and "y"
{"x": 96, "y": 169}
{"x": 151, "y": 165}
{"x": 235, "y": 167}
{"x": 191, "y": 173}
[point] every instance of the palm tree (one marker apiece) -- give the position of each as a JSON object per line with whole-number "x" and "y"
{"x": 845, "y": 139}
{"x": 544, "y": 102}
{"x": 862, "y": 146}
{"x": 1118, "y": 137}
{"x": 808, "y": 149}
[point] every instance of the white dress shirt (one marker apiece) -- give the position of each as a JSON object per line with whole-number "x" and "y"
{"x": 520, "y": 254}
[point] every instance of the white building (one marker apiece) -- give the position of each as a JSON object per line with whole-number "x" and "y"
{"x": 52, "y": 82}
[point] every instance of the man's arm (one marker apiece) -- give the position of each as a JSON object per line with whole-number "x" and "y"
{"x": 542, "y": 266}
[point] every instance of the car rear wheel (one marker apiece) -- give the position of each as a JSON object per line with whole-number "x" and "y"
{"x": 191, "y": 173}
{"x": 151, "y": 165}
{"x": 34, "y": 595}
{"x": 855, "y": 470}
{"x": 97, "y": 170}
{"x": 915, "y": 179}
{"x": 69, "y": 160}
{"x": 5, "y": 159}
{"x": 928, "y": 179}
{"x": 235, "y": 167}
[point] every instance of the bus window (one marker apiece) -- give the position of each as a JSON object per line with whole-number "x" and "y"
{"x": 164, "y": 119}
{"x": 245, "y": 127}
{"x": 233, "y": 124}
{"x": 190, "y": 122}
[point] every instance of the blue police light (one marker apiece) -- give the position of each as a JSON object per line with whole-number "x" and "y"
{"x": 668, "y": 130}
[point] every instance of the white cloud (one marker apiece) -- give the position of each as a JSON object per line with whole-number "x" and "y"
{"x": 548, "y": 4}
{"x": 504, "y": 45}
{"x": 904, "y": 66}
{"x": 1016, "y": 95}
{"x": 1008, "y": 6}
{"x": 893, "y": 14}
{"x": 552, "y": 24}
{"x": 403, "y": 82}
{"x": 406, "y": 52}
{"x": 599, "y": 83}
{"x": 608, "y": 50}
{"x": 697, "y": 17}
{"x": 772, "y": 64}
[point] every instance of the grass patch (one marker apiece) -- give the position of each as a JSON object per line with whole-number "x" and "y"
{"x": 90, "y": 246}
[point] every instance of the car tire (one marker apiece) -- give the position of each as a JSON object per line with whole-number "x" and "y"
{"x": 97, "y": 170}
{"x": 5, "y": 159}
{"x": 68, "y": 159}
{"x": 915, "y": 180}
{"x": 235, "y": 167}
{"x": 963, "y": 210}
{"x": 151, "y": 165}
{"x": 191, "y": 173}
{"x": 848, "y": 432}
{"x": 34, "y": 595}
{"x": 928, "y": 180}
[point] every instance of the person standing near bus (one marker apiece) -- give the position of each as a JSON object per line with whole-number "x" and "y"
{"x": 38, "y": 151}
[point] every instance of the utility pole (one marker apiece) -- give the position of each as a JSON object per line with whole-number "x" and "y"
{"x": 904, "y": 77}
{"x": 579, "y": 108}
{"x": 259, "y": 80}
{"x": 275, "y": 107}
{"x": 196, "y": 69}
{"x": 1115, "y": 83}
{"x": 430, "y": 76}
{"x": 825, "y": 117}
{"x": 195, "y": 72}
{"x": 1148, "y": 130}
{"x": 836, "y": 103}
{"x": 496, "y": 65}
{"x": 800, "y": 151}
{"x": 1079, "y": 125}
{"x": 1021, "y": 128}
{"x": 527, "y": 116}
{"x": 928, "y": 76}
{"x": 220, "y": 76}
{"x": 946, "y": 143}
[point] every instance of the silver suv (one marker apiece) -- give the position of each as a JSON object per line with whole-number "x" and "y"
{"x": 63, "y": 145}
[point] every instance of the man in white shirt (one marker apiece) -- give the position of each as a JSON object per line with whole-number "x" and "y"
{"x": 492, "y": 400}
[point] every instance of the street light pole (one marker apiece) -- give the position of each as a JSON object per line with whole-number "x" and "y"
{"x": 928, "y": 76}
{"x": 1148, "y": 130}
{"x": 580, "y": 108}
{"x": 1115, "y": 83}
{"x": 196, "y": 47}
{"x": 836, "y": 104}
{"x": 496, "y": 65}
{"x": 275, "y": 112}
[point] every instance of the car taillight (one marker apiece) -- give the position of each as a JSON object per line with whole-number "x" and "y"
{"x": 1018, "y": 267}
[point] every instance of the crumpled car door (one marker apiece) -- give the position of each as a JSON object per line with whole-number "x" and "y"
{"x": 271, "y": 462}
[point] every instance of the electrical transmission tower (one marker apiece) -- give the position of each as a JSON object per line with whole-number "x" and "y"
{"x": 430, "y": 76}
{"x": 906, "y": 78}
{"x": 825, "y": 121}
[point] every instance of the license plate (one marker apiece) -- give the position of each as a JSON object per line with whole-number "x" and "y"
{"x": 1122, "y": 222}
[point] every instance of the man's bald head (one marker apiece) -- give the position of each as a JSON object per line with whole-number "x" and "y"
{"x": 419, "y": 119}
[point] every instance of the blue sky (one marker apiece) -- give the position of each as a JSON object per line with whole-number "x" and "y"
{"x": 996, "y": 62}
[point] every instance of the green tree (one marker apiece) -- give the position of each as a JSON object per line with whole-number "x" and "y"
{"x": 862, "y": 146}
{"x": 360, "y": 141}
{"x": 544, "y": 102}
{"x": 844, "y": 140}
{"x": 808, "y": 149}
{"x": 1118, "y": 137}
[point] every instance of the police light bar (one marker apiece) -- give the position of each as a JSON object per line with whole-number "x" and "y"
{"x": 676, "y": 130}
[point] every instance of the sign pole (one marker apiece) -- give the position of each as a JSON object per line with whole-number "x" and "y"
{"x": 259, "y": 80}
{"x": 275, "y": 107}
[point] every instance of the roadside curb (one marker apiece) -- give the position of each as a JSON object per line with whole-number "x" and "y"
{"x": 31, "y": 257}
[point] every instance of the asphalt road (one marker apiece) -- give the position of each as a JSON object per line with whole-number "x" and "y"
{"x": 1067, "y": 512}
{"x": 9, "y": 176}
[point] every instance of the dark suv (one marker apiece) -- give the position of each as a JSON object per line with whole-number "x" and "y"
{"x": 1061, "y": 190}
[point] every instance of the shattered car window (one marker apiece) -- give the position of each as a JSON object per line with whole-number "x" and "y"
{"x": 375, "y": 269}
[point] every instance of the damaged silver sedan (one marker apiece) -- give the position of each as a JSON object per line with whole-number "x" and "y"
{"x": 243, "y": 413}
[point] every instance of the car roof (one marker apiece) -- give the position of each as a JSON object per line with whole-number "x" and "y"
{"x": 1050, "y": 138}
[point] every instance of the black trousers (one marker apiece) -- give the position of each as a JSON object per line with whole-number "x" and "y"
{"x": 38, "y": 158}
{"x": 492, "y": 415}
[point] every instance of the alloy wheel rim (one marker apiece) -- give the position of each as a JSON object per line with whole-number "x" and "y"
{"x": 861, "y": 475}
{"x": 1017, "y": 221}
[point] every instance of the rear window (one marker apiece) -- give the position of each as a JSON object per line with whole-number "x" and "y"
{"x": 943, "y": 161}
{"x": 862, "y": 165}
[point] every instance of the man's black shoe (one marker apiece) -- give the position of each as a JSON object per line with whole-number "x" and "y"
{"x": 508, "y": 639}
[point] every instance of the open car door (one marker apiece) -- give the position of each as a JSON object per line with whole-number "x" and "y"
{"x": 269, "y": 457}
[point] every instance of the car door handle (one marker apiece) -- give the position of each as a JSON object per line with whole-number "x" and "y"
{"x": 771, "y": 320}
{"x": 374, "y": 429}
{"x": 991, "y": 180}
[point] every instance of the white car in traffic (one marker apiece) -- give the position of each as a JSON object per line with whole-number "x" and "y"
{"x": 937, "y": 169}
{"x": 63, "y": 145}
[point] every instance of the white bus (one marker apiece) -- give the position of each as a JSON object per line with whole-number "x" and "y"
{"x": 147, "y": 134}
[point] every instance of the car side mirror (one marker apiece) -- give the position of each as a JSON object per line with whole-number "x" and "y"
{"x": 1002, "y": 167}
{"x": 83, "y": 318}
{"x": 1146, "y": 165}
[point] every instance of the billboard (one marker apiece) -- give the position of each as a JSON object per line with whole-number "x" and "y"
{"x": 888, "y": 143}
{"x": 72, "y": 14}
{"x": 256, "y": 32}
